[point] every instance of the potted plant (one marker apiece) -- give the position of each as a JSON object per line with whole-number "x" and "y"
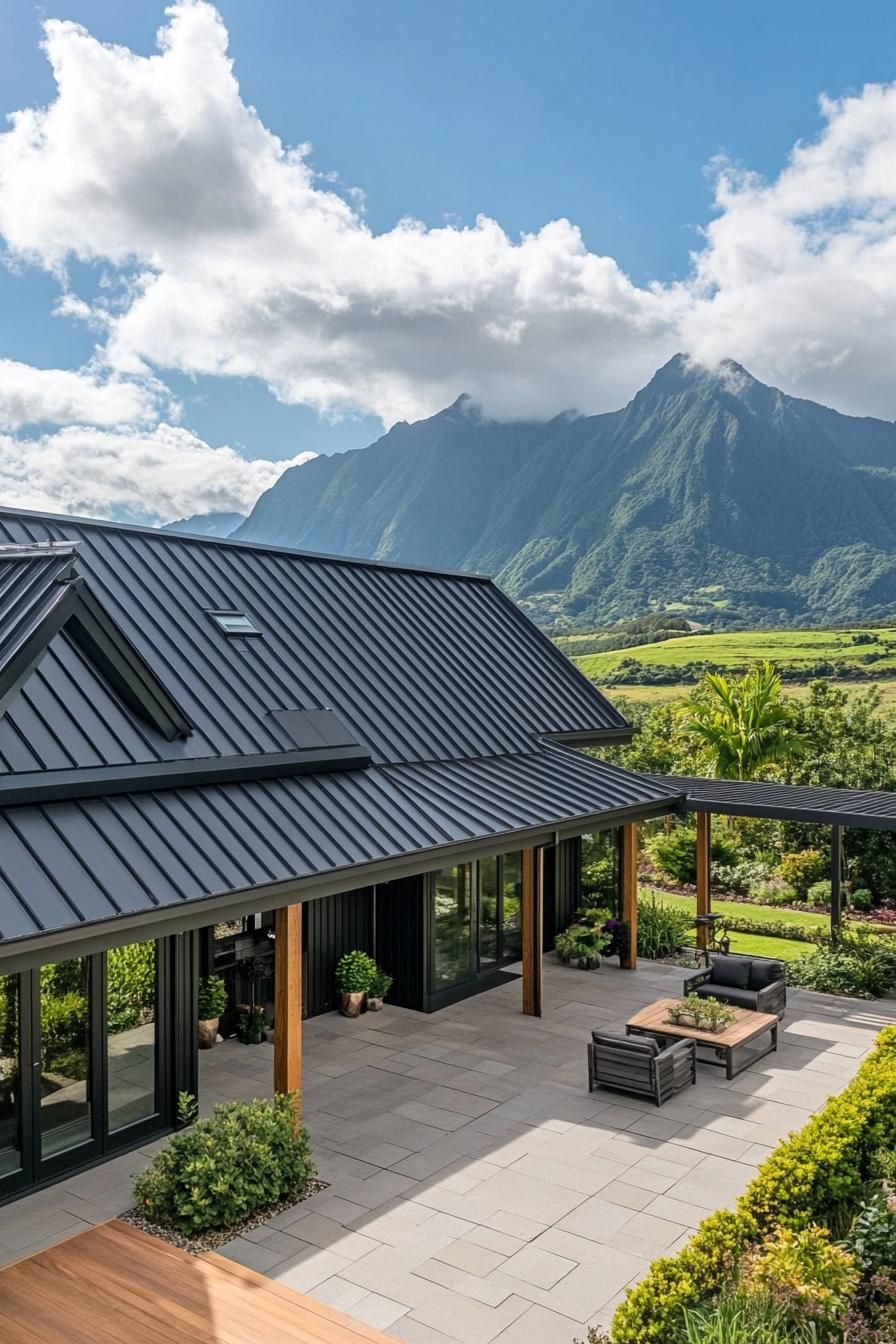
{"x": 619, "y": 934}
{"x": 675, "y": 1012}
{"x": 212, "y": 1002}
{"x": 581, "y": 945}
{"x": 716, "y": 1015}
{"x": 354, "y": 975}
{"x": 251, "y": 1026}
{"x": 379, "y": 987}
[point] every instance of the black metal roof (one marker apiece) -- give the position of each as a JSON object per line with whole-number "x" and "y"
{"x": 155, "y": 855}
{"x": 35, "y": 599}
{"x": 384, "y": 716}
{"x": 865, "y": 808}
{"x": 420, "y": 665}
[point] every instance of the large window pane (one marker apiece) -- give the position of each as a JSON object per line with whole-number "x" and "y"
{"x": 131, "y": 1025}
{"x": 511, "y": 906}
{"x": 65, "y": 1064}
{"x": 488, "y": 911}
{"x": 10, "y": 1090}
{"x": 453, "y": 951}
{"x": 600, "y": 870}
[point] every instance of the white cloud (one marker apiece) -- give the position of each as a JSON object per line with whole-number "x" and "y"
{"x": 232, "y": 257}
{"x": 30, "y": 396}
{"x": 153, "y": 475}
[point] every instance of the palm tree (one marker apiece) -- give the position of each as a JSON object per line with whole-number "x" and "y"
{"x": 742, "y": 722}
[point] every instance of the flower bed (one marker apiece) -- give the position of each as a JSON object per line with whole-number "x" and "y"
{"x": 817, "y": 1176}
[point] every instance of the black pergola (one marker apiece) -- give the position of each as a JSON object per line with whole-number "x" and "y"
{"x": 866, "y": 809}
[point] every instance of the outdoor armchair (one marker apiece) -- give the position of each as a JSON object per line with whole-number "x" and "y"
{"x": 746, "y": 982}
{"x": 640, "y": 1065}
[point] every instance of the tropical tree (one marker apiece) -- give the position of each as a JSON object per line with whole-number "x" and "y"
{"x": 742, "y": 722}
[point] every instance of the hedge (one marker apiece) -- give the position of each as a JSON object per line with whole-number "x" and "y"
{"x": 817, "y": 1175}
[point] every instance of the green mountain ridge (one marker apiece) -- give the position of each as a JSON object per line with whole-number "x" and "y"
{"x": 709, "y": 493}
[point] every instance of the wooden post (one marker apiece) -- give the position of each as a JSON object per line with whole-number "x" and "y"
{"x": 704, "y": 903}
{"x": 630, "y": 892}
{"x": 288, "y": 1000}
{"x": 836, "y": 878}
{"x": 531, "y": 919}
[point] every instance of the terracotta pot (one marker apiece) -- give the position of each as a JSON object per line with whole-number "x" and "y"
{"x": 207, "y": 1031}
{"x": 374, "y": 1005}
{"x": 352, "y": 1005}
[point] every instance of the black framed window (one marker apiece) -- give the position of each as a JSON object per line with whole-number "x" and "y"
{"x": 10, "y": 1077}
{"x": 132, "y": 1039}
{"x": 453, "y": 946}
{"x": 600, "y": 870}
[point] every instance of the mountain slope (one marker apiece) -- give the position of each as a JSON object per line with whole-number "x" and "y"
{"x": 709, "y": 490}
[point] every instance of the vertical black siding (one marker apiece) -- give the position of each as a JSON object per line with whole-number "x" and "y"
{"x": 331, "y": 927}
{"x": 563, "y": 886}
{"x": 402, "y": 924}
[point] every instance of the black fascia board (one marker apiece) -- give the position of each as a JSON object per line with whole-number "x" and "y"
{"x": 863, "y": 821}
{"x": 106, "y": 646}
{"x": 18, "y": 954}
{"x": 26, "y": 658}
{"x": 593, "y": 737}
{"x": 58, "y": 786}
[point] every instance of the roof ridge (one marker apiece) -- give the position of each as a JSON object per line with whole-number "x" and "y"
{"x": 193, "y": 538}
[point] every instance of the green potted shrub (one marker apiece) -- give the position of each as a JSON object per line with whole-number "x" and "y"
{"x": 251, "y": 1026}
{"x": 379, "y": 987}
{"x": 716, "y": 1015}
{"x": 581, "y": 945}
{"x": 354, "y": 976}
{"x": 212, "y": 1002}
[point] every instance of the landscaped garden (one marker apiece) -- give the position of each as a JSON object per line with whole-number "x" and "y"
{"x": 808, "y": 1253}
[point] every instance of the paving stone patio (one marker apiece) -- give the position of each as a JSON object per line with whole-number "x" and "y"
{"x": 476, "y": 1191}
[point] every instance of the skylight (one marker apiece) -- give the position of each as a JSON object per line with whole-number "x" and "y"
{"x": 234, "y": 622}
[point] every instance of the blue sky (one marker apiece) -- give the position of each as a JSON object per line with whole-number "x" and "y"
{"x": 604, "y": 114}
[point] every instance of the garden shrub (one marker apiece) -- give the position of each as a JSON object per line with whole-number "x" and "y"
{"x": 770, "y": 928}
{"x": 676, "y": 853}
{"x": 661, "y": 928}
{"x": 738, "y": 1317}
{"x": 861, "y": 899}
{"x": 817, "y": 1175}
{"x": 819, "y": 893}
{"x": 801, "y": 868}
{"x": 738, "y": 877}
{"x": 809, "y": 1278}
{"x": 856, "y": 962}
{"x": 772, "y": 892}
{"x": 246, "y": 1157}
{"x": 63, "y": 1021}
{"x": 355, "y": 972}
{"x": 872, "y": 1238}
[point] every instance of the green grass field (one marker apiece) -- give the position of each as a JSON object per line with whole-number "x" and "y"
{"x": 740, "y": 648}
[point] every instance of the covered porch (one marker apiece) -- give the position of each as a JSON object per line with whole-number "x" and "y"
{"x": 476, "y": 1191}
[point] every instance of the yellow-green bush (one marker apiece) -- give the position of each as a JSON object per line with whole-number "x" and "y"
{"x": 817, "y": 1175}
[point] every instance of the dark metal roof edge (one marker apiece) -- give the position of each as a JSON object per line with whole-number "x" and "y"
{"x": 32, "y": 949}
{"x": 860, "y": 821}
{"x": 597, "y": 737}
{"x": 27, "y": 657}
{"x": 193, "y": 537}
{"x": 753, "y": 804}
{"x": 100, "y": 781}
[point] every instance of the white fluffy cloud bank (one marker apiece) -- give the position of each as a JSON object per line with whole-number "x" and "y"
{"x": 232, "y": 259}
{"x": 147, "y": 475}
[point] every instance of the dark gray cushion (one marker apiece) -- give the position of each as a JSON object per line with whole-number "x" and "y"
{"x": 732, "y": 971}
{"x": 765, "y": 973}
{"x": 741, "y": 998}
{"x": 644, "y": 1045}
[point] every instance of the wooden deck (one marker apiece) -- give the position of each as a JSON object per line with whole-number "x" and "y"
{"x": 114, "y": 1283}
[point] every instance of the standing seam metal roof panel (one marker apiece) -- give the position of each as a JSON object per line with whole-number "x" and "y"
{"x": 420, "y": 665}
{"x": 71, "y": 863}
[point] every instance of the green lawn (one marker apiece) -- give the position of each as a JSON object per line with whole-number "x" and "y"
{"x": 784, "y": 949}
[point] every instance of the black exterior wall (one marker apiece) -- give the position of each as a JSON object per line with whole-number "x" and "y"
{"x": 562, "y": 886}
{"x": 330, "y": 928}
{"x": 402, "y": 938}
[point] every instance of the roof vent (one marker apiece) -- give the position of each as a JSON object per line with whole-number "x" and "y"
{"x": 234, "y": 623}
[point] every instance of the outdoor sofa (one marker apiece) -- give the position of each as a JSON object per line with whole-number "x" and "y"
{"x": 746, "y": 982}
{"x": 640, "y": 1065}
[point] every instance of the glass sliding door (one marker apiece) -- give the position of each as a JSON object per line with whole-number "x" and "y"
{"x": 453, "y": 945}
{"x": 131, "y": 1045}
{"x": 489, "y": 907}
{"x": 66, "y": 1094}
{"x": 511, "y": 866}
{"x": 10, "y": 1077}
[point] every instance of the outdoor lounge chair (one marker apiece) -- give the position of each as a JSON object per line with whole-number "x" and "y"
{"x": 746, "y": 982}
{"x": 640, "y": 1065}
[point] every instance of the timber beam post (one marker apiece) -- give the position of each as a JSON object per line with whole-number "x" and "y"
{"x": 630, "y": 892}
{"x": 288, "y": 1001}
{"x": 532, "y": 921}
{"x": 704, "y": 902}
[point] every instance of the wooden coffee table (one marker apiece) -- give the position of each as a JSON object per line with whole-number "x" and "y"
{"x": 727, "y": 1046}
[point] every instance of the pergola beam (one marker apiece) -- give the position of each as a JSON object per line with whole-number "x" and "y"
{"x": 288, "y": 1000}
{"x": 629, "y": 881}
{"x": 704, "y": 901}
{"x": 532, "y": 921}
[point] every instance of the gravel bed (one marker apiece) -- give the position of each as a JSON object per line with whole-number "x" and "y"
{"x": 218, "y": 1236}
